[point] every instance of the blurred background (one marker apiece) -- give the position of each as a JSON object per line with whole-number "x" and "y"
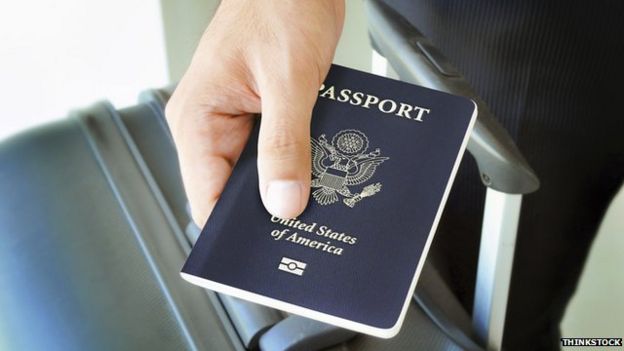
{"x": 61, "y": 55}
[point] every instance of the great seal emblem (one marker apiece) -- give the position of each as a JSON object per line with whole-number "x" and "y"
{"x": 343, "y": 163}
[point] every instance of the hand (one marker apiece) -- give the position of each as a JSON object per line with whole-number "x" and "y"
{"x": 267, "y": 56}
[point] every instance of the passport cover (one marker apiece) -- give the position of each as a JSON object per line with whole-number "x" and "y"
{"x": 384, "y": 155}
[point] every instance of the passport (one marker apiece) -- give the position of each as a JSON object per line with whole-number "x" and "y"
{"x": 384, "y": 155}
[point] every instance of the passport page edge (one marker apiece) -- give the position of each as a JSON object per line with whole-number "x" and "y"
{"x": 462, "y": 150}
{"x": 290, "y": 308}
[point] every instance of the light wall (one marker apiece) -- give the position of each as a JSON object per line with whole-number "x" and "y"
{"x": 60, "y": 55}
{"x": 185, "y": 21}
{"x": 354, "y": 48}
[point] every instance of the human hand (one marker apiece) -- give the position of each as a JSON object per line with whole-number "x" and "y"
{"x": 268, "y": 56}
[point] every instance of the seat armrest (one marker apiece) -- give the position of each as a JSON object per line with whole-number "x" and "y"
{"x": 416, "y": 60}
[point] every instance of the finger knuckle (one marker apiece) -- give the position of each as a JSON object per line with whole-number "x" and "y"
{"x": 200, "y": 209}
{"x": 173, "y": 111}
{"x": 283, "y": 145}
{"x": 200, "y": 217}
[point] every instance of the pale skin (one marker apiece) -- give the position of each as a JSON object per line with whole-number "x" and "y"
{"x": 257, "y": 56}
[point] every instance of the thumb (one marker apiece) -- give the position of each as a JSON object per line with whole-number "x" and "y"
{"x": 284, "y": 147}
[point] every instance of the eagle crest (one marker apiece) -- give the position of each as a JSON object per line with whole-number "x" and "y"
{"x": 343, "y": 163}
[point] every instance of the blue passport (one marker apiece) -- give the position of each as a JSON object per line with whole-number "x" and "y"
{"x": 384, "y": 155}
